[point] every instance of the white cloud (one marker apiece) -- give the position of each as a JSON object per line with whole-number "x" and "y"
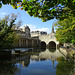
{"x": 3, "y": 13}
{"x": 33, "y": 28}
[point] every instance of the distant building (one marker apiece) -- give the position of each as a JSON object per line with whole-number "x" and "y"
{"x": 25, "y": 39}
{"x": 26, "y": 29}
{"x": 36, "y": 38}
{"x": 25, "y": 32}
{"x": 38, "y": 33}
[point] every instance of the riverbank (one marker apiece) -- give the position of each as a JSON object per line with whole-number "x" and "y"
{"x": 20, "y": 50}
{"x": 70, "y": 51}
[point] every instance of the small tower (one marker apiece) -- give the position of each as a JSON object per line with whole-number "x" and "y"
{"x": 52, "y": 29}
{"x": 27, "y": 31}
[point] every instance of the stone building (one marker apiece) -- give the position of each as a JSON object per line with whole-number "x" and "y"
{"x": 26, "y": 29}
{"x": 25, "y": 39}
{"x": 38, "y": 33}
{"x": 49, "y": 40}
{"x": 37, "y": 38}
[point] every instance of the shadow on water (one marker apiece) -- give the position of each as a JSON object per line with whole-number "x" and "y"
{"x": 5, "y": 55}
{"x": 7, "y": 67}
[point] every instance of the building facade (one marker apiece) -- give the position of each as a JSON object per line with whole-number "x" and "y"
{"x": 25, "y": 39}
{"x": 36, "y": 38}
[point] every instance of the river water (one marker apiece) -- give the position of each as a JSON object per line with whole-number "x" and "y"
{"x": 37, "y": 62}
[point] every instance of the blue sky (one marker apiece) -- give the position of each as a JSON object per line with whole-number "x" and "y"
{"x": 33, "y": 23}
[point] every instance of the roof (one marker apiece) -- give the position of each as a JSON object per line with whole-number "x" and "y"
{"x": 27, "y": 27}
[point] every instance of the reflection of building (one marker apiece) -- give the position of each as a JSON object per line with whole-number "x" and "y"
{"x": 27, "y": 61}
{"x": 48, "y": 55}
{"x": 38, "y": 55}
{"x": 24, "y": 60}
{"x": 36, "y": 38}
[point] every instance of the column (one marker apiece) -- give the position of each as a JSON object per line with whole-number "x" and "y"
{"x": 26, "y": 43}
{"x": 32, "y": 43}
{"x": 19, "y": 42}
{"x": 37, "y": 42}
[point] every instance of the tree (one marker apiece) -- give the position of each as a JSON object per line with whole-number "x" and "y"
{"x": 48, "y": 9}
{"x": 65, "y": 31}
{"x": 7, "y": 32}
{"x": 44, "y": 9}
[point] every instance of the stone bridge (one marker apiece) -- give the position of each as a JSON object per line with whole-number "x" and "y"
{"x": 49, "y": 40}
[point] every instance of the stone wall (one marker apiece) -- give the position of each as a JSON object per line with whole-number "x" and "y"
{"x": 48, "y": 38}
{"x": 27, "y": 42}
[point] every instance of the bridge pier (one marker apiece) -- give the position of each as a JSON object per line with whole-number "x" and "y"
{"x": 56, "y": 46}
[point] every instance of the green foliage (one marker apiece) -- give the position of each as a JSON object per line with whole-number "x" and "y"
{"x": 7, "y": 32}
{"x": 44, "y": 9}
{"x": 0, "y": 5}
{"x": 13, "y": 3}
{"x": 64, "y": 67}
{"x": 65, "y": 31}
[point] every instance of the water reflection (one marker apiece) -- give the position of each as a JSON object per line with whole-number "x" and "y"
{"x": 65, "y": 67}
{"x": 34, "y": 62}
{"x": 7, "y": 68}
{"x": 52, "y": 50}
{"x": 47, "y": 55}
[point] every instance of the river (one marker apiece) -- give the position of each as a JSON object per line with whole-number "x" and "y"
{"x": 37, "y": 62}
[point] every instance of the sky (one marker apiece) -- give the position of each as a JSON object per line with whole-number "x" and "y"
{"x": 32, "y": 22}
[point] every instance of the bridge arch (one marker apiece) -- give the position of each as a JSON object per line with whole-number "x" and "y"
{"x": 52, "y": 45}
{"x": 43, "y": 44}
